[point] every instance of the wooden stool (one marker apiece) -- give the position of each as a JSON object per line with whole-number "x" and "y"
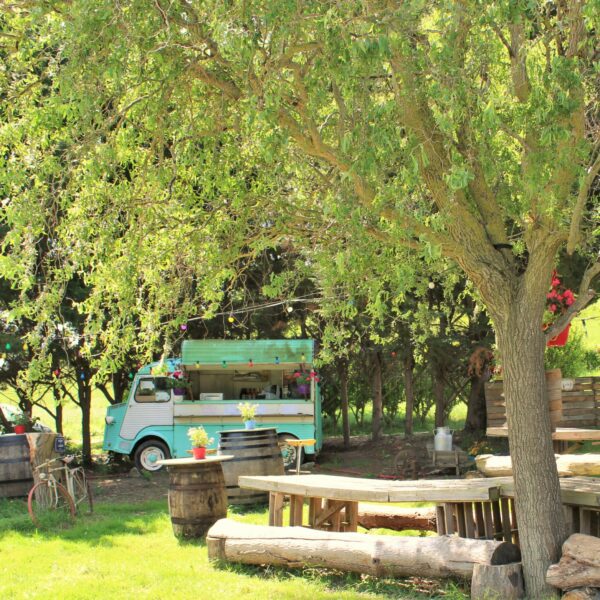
{"x": 299, "y": 444}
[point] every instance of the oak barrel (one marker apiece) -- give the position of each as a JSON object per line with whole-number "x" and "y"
{"x": 255, "y": 452}
{"x": 197, "y": 498}
{"x": 16, "y": 478}
{"x": 554, "y": 395}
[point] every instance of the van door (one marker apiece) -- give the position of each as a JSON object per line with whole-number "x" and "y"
{"x": 149, "y": 404}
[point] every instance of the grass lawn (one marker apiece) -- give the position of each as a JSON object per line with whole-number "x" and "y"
{"x": 129, "y": 551}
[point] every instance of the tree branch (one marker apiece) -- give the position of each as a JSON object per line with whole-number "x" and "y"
{"x": 578, "y": 211}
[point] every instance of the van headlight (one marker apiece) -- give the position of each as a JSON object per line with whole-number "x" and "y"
{"x": 109, "y": 420}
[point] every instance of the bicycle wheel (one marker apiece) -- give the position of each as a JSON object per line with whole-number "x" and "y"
{"x": 82, "y": 490}
{"x": 50, "y": 505}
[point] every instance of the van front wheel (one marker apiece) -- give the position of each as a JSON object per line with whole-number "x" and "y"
{"x": 148, "y": 453}
{"x": 288, "y": 453}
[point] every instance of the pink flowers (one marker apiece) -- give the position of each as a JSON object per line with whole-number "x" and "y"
{"x": 559, "y": 298}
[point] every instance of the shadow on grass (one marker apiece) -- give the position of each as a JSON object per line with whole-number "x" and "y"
{"x": 411, "y": 587}
{"x": 97, "y": 529}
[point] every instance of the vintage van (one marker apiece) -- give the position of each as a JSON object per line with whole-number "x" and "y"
{"x": 217, "y": 375}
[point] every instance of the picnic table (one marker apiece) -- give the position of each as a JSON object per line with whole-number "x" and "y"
{"x": 472, "y": 508}
{"x": 333, "y": 500}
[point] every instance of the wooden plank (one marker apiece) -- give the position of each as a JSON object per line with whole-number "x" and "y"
{"x": 585, "y": 521}
{"x": 479, "y": 521}
{"x": 469, "y": 520}
{"x": 336, "y": 516}
{"x": 296, "y": 505}
{"x": 372, "y": 490}
{"x": 449, "y": 518}
{"x": 497, "y": 519}
{"x": 505, "y": 511}
{"x": 561, "y": 433}
{"x": 489, "y": 522}
{"x": 329, "y": 508}
{"x": 351, "y": 516}
{"x": 314, "y": 508}
{"x": 275, "y": 509}
{"x": 459, "y": 511}
{"x": 440, "y": 520}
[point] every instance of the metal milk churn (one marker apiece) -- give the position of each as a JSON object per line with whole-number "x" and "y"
{"x": 442, "y": 441}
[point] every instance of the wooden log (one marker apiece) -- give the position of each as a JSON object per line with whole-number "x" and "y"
{"x": 379, "y": 555}
{"x": 371, "y": 516}
{"x": 497, "y": 582}
{"x": 568, "y": 465}
{"x": 582, "y": 594}
{"x": 579, "y": 565}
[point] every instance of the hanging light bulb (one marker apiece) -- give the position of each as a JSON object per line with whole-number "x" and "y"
{"x": 224, "y": 364}
{"x": 231, "y": 319}
{"x": 277, "y": 360}
{"x": 250, "y": 363}
{"x": 290, "y": 309}
{"x": 130, "y": 376}
{"x": 303, "y": 358}
{"x": 82, "y": 377}
{"x": 183, "y": 327}
{"x": 8, "y": 346}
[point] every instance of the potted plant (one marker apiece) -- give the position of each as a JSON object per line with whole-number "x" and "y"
{"x": 558, "y": 300}
{"x": 303, "y": 379}
{"x": 248, "y": 411}
{"x": 200, "y": 440}
{"x": 179, "y": 384}
{"x": 20, "y": 422}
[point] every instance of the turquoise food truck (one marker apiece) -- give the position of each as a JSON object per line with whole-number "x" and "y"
{"x": 205, "y": 386}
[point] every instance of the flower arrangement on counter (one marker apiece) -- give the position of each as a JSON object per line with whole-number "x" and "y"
{"x": 199, "y": 437}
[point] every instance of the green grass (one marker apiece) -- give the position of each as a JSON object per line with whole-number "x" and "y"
{"x": 129, "y": 551}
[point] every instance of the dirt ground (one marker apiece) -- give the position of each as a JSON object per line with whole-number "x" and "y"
{"x": 393, "y": 457}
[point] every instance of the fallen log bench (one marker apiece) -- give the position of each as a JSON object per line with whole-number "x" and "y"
{"x": 379, "y": 555}
{"x": 568, "y": 465}
{"x": 372, "y": 516}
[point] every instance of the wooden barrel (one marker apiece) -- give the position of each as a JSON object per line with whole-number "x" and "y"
{"x": 16, "y": 478}
{"x": 197, "y": 498}
{"x": 554, "y": 395}
{"x": 255, "y": 452}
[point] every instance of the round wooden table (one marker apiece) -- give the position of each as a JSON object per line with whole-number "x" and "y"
{"x": 197, "y": 498}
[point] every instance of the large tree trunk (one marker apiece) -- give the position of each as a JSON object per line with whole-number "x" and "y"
{"x": 409, "y": 391}
{"x": 343, "y": 372}
{"x": 537, "y": 491}
{"x": 377, "y": 422}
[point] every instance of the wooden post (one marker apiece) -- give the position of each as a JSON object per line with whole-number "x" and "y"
{"x": 275, "y": 509}
{"x": 497, "y": 582}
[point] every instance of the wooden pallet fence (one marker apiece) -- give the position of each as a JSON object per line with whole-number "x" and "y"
{"x": 494, "y": 520}
{"x": 580, "y": 404}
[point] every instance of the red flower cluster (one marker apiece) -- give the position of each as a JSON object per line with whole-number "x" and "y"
{"x": 302, "y": 377}
{"x": 559, "y": 298}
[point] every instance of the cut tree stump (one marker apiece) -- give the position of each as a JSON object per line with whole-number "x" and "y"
{"x": 497, "y": 582}
{"x": 371, "y": 516}
{"x": 568, "y": 465}
{"x": 379, "y": 555}
{"x": 579, "y": 565}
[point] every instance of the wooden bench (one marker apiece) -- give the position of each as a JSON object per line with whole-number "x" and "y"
{"x": 333, "y": 500}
